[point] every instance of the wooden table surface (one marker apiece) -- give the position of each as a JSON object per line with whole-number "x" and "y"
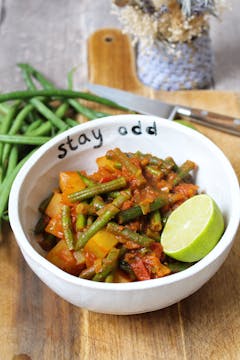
{"x": 36, "y": 323}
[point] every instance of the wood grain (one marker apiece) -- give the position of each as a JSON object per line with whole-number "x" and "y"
{"x": 37, "y": 324}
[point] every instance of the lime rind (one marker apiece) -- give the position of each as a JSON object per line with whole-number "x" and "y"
{"x": 193, "y": 229}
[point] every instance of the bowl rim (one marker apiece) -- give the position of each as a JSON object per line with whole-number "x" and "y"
{"x": 27, "y": 249}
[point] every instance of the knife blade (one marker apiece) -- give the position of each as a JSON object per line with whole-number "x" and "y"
{"x": 144, "y": 105}
{"x": 134, "y": 102}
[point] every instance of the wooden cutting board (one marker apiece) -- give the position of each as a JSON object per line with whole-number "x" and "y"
{"x": 37, "y": 324}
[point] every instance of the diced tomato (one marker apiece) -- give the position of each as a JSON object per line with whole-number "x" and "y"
{"x": 157, "y": 248}
{"x": 154, "y": 266}
{"x": 131, "y": 245}
{"x": 104, "y": 175}
{"x": 171, "y": 177}
{"x": 89, "y": 258}
{"x": 63, "y": 258}
{"x": 98, "y": 265}
{"x": 139, "y": 269}
{"x": 134, "y": 225}
{"x": 127, "y": 204}
{"x": 163, "y": 270}
{"x": 188, "y": 190}
{"x": 164, "y": 185}
{"x": 165, "y": 209}
{"x": 136, "y": 161}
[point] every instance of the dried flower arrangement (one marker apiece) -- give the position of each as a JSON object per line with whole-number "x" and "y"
{"x": 174, "y": 29}
{"x": 166, "y": 20}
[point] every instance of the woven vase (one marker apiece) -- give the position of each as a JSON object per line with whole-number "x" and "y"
{"x": 183, "y": 66}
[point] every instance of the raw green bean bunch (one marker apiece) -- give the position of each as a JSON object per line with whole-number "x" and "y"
{"x": 29, "y": 118}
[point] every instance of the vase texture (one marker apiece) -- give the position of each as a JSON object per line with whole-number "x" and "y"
{"x": 179, "y": 66}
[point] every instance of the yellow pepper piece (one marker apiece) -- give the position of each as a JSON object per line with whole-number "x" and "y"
{"x": 108, "y": 164}
{"x": 70, "y": 182}
{"x": 55, "y": 205}
{"x": 101, "y": 243}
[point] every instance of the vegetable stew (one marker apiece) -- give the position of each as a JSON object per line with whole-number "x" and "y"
{"x": 107, "y": 226}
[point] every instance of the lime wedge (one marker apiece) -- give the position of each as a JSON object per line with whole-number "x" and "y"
{"x": 193, "y": 229}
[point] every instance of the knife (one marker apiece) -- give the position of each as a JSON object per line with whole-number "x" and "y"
{"x": 168, "y": 111}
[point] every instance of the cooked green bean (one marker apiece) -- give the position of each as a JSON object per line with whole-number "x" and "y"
{"x": 140, "y": 239}
{"x": 97, "y": 189}
{"x": 170, "y": 164}
{"x": 155, "y": 221}
{"x": 122, "y": 158}
{"x": 164, "y": 165}
{"x": 108, "y": 213}
{"x": 109, "y": 264}
{"x": 155, "y": 172}
{"x": 136, "y": 210}
{"x": 88, "y": 182}
{"x": 80, "y": 222}
{"x": 67, "y": 226}
{"x": 113, "y": 194}
{"x": 97, "y": 203}
{"x": 183, "y": 171}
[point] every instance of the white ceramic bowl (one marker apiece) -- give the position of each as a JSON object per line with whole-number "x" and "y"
{"x": 78, "y": 148}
